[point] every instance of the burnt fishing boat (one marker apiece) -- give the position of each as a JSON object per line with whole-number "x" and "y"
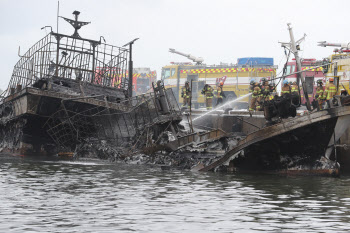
{"x": 67, "y": 90}
{"x": 289, "y": 143}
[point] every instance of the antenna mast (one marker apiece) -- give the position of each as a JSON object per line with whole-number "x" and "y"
{"x": 294, "y": 47}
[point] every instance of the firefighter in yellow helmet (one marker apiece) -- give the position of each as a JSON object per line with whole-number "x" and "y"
{"x": 319, "y": 94}
{"x": 220, "y": 94}
{"x": 208, "y": 92}
{"x": 186, "y": 95}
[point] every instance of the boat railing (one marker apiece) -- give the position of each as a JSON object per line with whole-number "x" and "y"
{"x": 68, "y": 57}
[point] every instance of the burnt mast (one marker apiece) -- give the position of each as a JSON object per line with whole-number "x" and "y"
{"x": 294, "y": 47}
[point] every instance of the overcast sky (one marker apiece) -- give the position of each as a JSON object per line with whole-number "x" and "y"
{"x": 218, "y": 31}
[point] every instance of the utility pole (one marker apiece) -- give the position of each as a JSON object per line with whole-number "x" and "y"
{"x": 294, "y": 48}
{"x": 130, "y": 66}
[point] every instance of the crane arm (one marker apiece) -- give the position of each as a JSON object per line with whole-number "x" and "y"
{"x": 341, "y": 45}
{"x": 198, "y": 60}
{"x": 180, "y": 53}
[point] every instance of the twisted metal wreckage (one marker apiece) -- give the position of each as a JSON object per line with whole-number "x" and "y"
{"x": 71, "y": 94}
{"x": 68, "y": 93}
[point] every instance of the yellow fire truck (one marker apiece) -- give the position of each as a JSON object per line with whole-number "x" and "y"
{"x": 340, "y": 67}
{"x": 236, "y": 84}
{"x": 339, "y": 70}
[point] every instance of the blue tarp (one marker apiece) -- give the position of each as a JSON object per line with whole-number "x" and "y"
{"x": 251, "y": 61}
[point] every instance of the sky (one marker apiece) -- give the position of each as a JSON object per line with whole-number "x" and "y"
{"x": 218, "y": 31}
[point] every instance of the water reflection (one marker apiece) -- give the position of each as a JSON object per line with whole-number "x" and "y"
{"x": 96, "y": 196}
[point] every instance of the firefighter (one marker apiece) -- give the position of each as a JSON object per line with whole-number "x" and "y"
{"x": 265, "y": 83}
{"x": 256, "y": 93}
{"x": 220, "y": 94}
{"x": 319, "y": 94}
{"x": 265, "y": 89}
{"x": 285, "y": 88}
{"x": 208, "y": 92}
{"x": 294, "y": 88}
{"x": 186, "y": 94}
{"x": 295, "y": 93}
{"x": 252, "y": 99}
{"x": 329, "y": 91}
{"x": 259, "y": 100}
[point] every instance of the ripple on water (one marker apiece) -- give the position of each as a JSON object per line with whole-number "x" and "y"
{"x": 96, "y": 196}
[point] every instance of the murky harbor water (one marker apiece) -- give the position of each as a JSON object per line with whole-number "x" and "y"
{"x": 96, "y": 196}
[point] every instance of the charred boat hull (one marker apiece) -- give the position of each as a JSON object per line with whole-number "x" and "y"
{"x": 296, "y": 146}
{"x": 298, "y": 151}
{"x": 23, "y": 116}
{"x": 43, "y": 122}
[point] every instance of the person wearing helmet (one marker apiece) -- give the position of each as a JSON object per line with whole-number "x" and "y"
{"x": 264, "y": 83}
{"x": 265, "y": 90}
{"x": 294, "y": 88}
{"x": 329, "y": 91}
{"x": 285, "y": 88}
{"x": 252, "y": 83}
{"x": 294, "y": 91}
{"x": 186, "y": 94}
{"x": 256, "y": 92}
{"x": 252, "y": 98}
{"x": 220, "y": 94}
{"x": 319, "y": 94}
{"x": 208, "y": 92}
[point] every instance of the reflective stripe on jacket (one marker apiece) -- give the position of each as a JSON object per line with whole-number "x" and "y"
{"x": 285, "y": 89}
{"x": 256, "y": 91}
{"x": 219, "y": 93}
{"x": 186, "y": 92}
{"x": 209, "y": 93}
{"x": 330, "y": 91}
{"x": 294, "y": 88}
{"x": 319, "y": 92}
